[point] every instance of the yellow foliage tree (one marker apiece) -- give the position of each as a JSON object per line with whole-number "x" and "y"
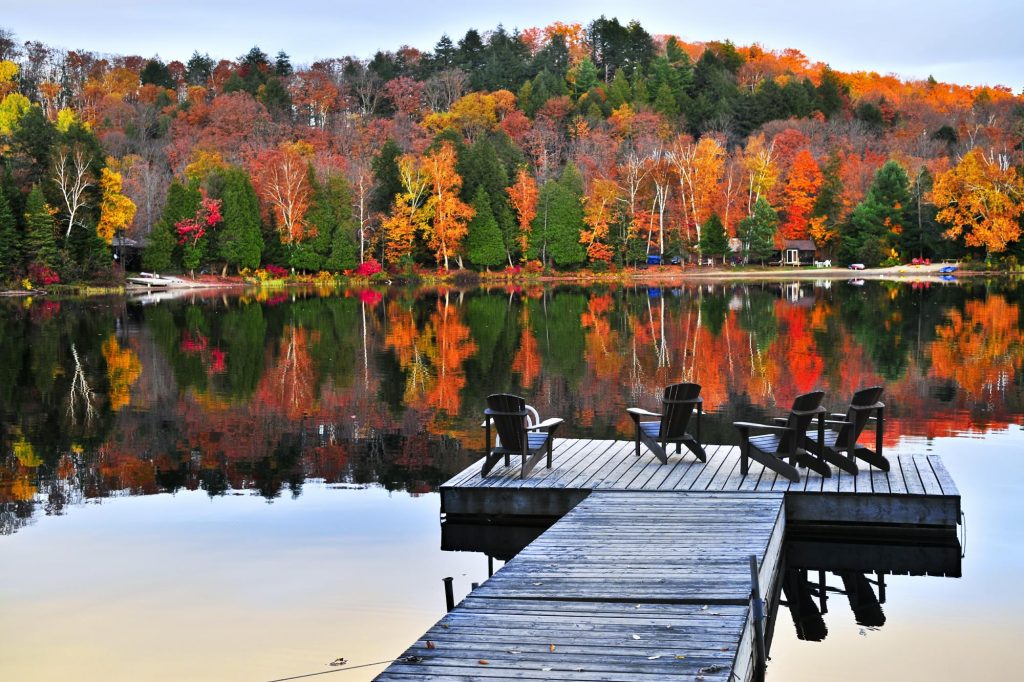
{"x": 598, "y": 208}
{"x": 8, "y": 70}
{"x": 203, "y": 163}
{"x": 116, "y": 210}
{"x": 980, "y": 199}
{"x": 12, "y": 108}
{"x": 407, "y": 214}
{"x": 123, "y": 370}
{"x": 65, "y": 119}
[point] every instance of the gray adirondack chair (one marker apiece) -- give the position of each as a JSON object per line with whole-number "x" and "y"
{"x": 516, "y": 434}
{"x": 839, "y": 443}
{"x": 678, "y": 404}
{"x": 786, "y": 440}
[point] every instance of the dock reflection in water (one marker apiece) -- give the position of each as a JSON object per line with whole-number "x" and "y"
{"x": 818, "y": 567}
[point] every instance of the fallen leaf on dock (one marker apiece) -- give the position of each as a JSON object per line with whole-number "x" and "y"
{"x": 680, "y": 657}
{"x": 713, "y": 668}
{"x": 546, "y": 669}
{"x": 483, "y": 662}
{"x": 636, "y": 636}
{"x": 338, "y": 661}
{"x": 430, "y": 645}
{"x": 514, "y": 651}
{"x": 654, "y": 658}
{"x": 551, "y": 647}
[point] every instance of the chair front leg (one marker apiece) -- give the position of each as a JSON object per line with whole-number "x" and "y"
{"x": 880, "y": 431}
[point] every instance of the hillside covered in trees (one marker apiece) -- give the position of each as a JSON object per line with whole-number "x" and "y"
{"x": 567, "y": 146}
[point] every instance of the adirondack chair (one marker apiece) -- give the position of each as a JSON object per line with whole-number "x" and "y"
{"x": 842, "y": 438}
{"x": 677, "y": 405}
{"x": 516, "y": 434}
{"x": 786, "y": 439}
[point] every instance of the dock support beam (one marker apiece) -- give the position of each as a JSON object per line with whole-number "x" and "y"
{"x": 449, "y": 596}
{"x": 757, "y": 613}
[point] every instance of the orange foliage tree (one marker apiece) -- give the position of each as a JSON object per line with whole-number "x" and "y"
{"x": 282, "y": 180}
{"x": 980, "y": 199}
{"x": 450, "y": 215}
{"x": 798, "y": 197}
{"x": 523, "y": 195}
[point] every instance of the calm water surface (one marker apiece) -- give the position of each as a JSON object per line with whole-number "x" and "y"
{"x": 243, "y": 487}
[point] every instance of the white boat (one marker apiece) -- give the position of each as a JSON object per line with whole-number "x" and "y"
{"x": 151, "y": 280}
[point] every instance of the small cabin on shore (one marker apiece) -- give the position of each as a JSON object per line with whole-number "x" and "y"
{"x": 797, "y": 252}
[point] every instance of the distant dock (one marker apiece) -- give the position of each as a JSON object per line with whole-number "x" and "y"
{"x": 646, "y": 575}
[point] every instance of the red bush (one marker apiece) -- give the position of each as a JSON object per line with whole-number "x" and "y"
{"x": 40, "y": 275}
{"x": 276, "y": 271}
{"x": 367, "y": 268}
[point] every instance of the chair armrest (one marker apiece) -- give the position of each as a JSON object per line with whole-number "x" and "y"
{"x": 494, "y": 413}
{"x": 766, "y": 427}
{"x": 863, "y": 408}
{"x": 838, "y": 422}
{"x": 546, "y": 425}
{"x": 780, "y": 420}
{"x": 640, "y": 412}
{"x": 838, "y": 415}
{"x": 804, "y": 413}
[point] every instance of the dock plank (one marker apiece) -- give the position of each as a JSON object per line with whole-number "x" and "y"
{"x": 606, "y": 593}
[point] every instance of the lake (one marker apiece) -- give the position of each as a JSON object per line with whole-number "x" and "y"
{"x": 242, "y": 486}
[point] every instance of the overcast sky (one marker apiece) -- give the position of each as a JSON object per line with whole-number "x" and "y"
{"x": 963, "y": 41}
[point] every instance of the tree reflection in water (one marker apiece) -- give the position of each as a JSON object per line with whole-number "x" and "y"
{"x": 258, "y": 394}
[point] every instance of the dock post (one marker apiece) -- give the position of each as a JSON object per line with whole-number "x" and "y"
{"x": 449, "y": 597}
{"x": 757, "y": 610}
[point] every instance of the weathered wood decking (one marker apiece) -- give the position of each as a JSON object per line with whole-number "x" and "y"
{"x": 646, "y": 576}
{"x": 916, "y": 491}
{"x": 628, "y": 586}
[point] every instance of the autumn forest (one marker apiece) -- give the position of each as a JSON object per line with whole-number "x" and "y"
{"x": 563, "y": 147}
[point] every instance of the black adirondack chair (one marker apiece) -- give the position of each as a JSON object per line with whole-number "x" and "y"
{"x": 846, "y": 429}
{"x": 786, "y": 439}
{"x": 677, "y": 404}
{"x": 516, "y": 436}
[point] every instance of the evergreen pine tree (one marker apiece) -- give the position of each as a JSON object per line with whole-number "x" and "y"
{"x": 714, "y": 243}
{"x": 565, "y": 219}
{"x": 757, "y": 231}
{"x": 481, "y": 167}
{"x": 871, "y": 232}
{"x": 331, "y": 214}
{"x": 10, "y": 241}
{"x": 161, "y": 250}
{"x": 484, "y": 246}
{"x": 619, "y": 92}
{"x": 40, "y": 241}
{"x": 240, "y": 242}
{"x": 385, "y": 171}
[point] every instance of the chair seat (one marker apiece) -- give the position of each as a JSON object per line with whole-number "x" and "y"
{"x": 651, "y": 429}
{"x": 831, "y": 437}
{"x": 535, "y": 440}
{"x": 766, "y": 443}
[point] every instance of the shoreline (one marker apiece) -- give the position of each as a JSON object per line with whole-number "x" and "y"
{"x": 654, "y": 274}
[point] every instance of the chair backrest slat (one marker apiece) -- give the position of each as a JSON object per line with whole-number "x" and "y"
{"x": 799, "y": 423}
{"x": 511, "y": 425}
{"x": 859, "y": 418}
{"x": 677, "y": 404}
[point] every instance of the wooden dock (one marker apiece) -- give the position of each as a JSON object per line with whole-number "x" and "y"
{"x": 627, "y": 586}
{"x": 917, "y": 491}
{"x": 646, "y": 575}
